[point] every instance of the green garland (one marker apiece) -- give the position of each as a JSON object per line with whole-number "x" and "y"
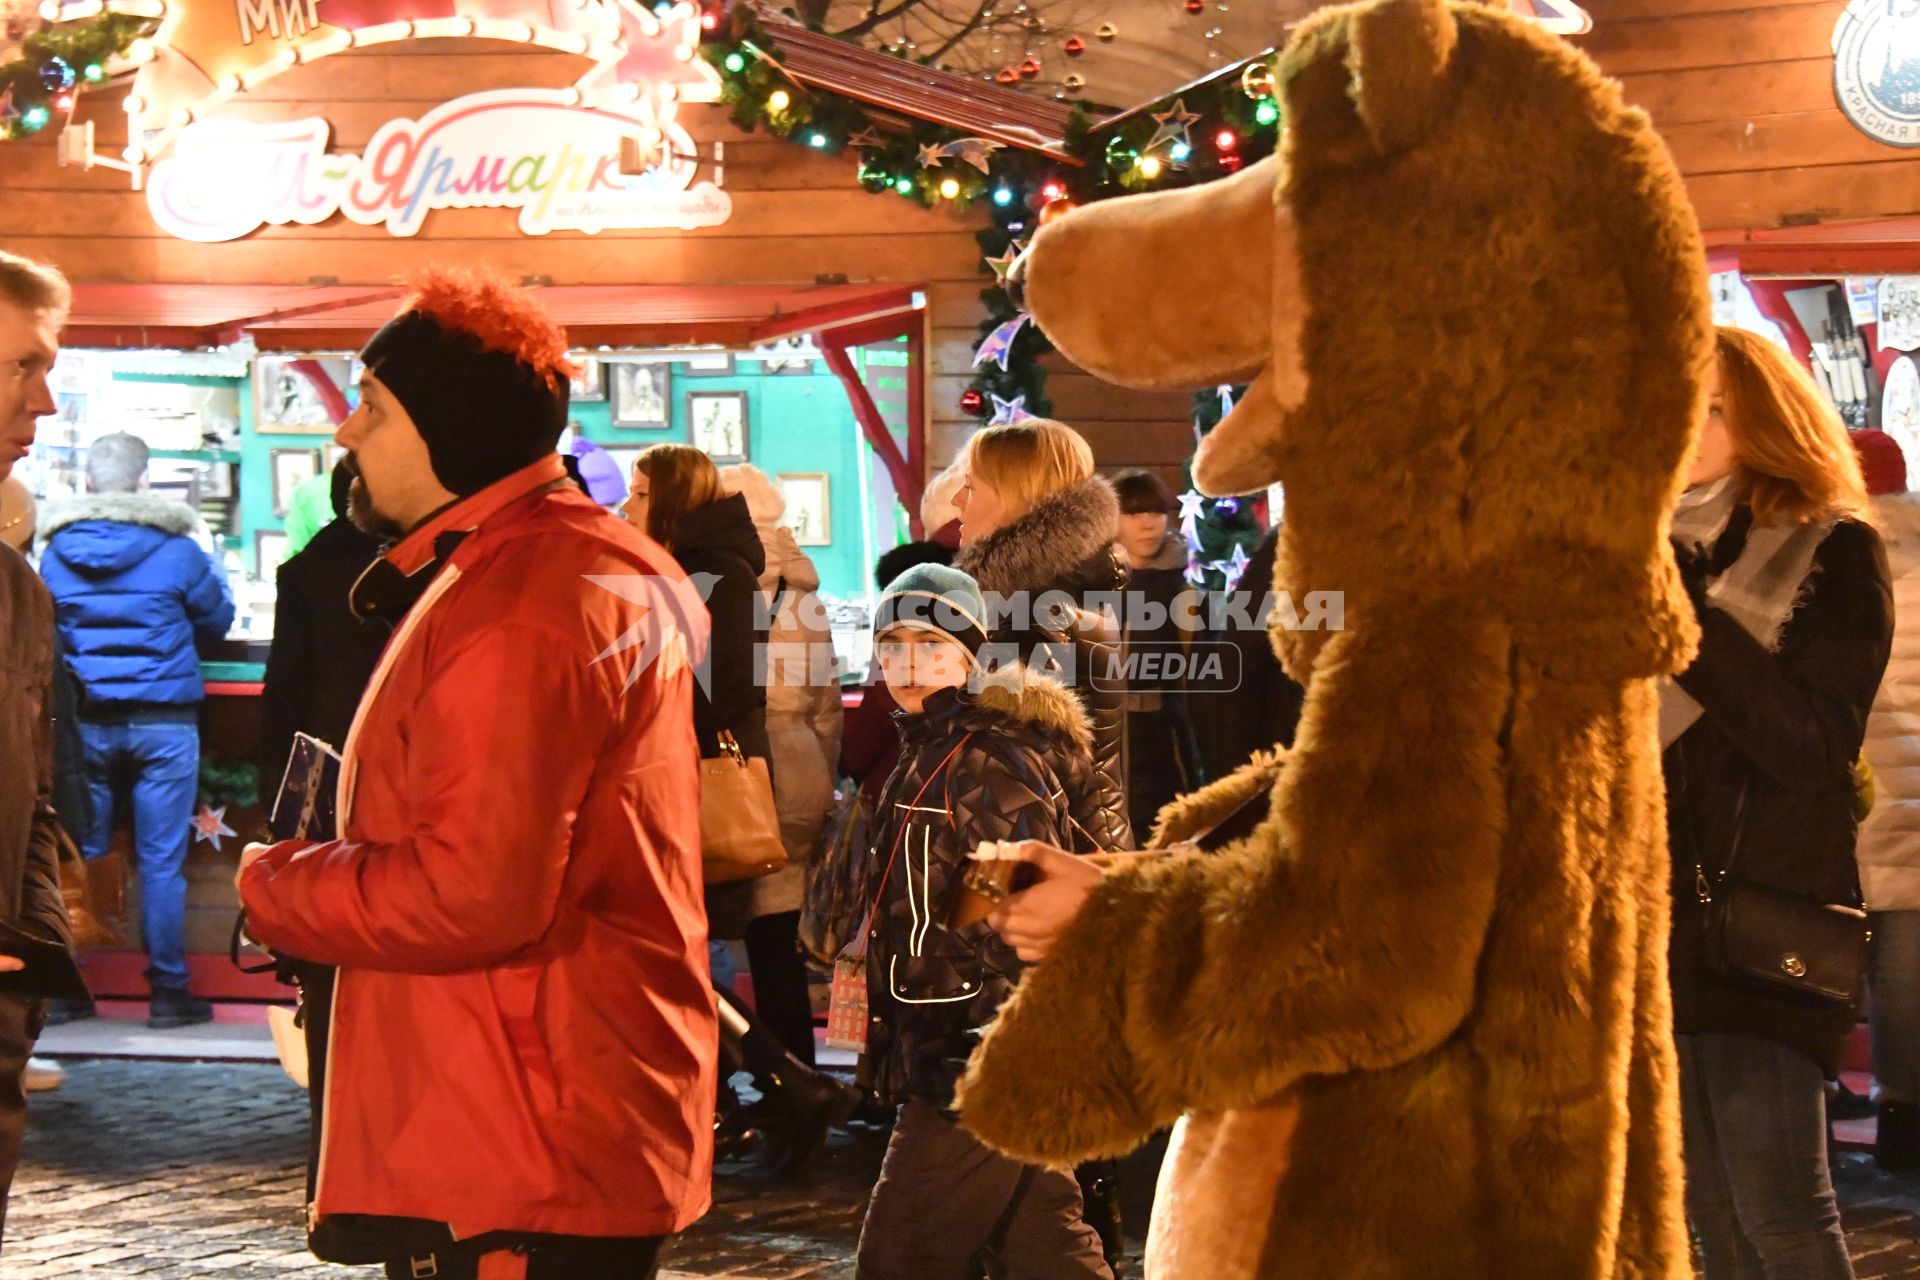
{"x": 28, "y": 103}
{"x": 1233, "y": 128}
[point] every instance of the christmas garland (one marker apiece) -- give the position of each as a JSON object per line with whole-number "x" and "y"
{"x": 1199, "y": 135}
{"x": 56, "y": 63}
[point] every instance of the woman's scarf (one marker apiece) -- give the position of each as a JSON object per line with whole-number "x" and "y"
{"x": 1759, "y": 590}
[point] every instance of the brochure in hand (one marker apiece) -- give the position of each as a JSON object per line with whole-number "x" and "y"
{"x": 304, "y": 808}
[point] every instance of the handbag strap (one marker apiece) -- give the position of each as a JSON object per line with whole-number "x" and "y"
{"x": 900, "y": 836}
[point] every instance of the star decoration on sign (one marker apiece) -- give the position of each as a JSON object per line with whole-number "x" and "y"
{"x": 1192, "y": 505}
{"x": 210, "y": 824}
{"x": 1008, "y": 411}
{"x": 1003, "y": 264}
{"x": 1196, "y": 574}
{"x": 930, "y": 156}
{"x": 866, "y": 138}
{"x": 1176, "y": 123}
{"x": 657, "y": 50}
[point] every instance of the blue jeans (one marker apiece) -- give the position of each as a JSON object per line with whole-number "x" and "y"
{"x": 151, "y": 770}
{"x": 1759, "y": 1195}
{"x": 1893, "y": 1005}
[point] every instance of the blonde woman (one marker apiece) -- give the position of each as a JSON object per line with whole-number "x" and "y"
{"x": 1791, "y": 587}
{"x": 1037, "y": 531}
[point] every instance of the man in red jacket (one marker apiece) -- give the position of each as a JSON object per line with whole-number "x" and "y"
{"x": 521, "y": 1070}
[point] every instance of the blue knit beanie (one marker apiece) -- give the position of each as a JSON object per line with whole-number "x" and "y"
{"x": 937, "y": 598}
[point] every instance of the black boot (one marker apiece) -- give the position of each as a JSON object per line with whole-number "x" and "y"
{"x": 63, "y": 1011}
{"x": 1897, "y": 1146}
{"x": 814, "y": 1101}
{"x": 1844, "y": 1104}
{"x": 177, "y": 1008}
{"x": 808, "y": 1100}
{"x": 1100, "y": 1206}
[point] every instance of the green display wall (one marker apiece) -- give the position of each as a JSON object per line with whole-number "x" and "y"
{"x": 797, "y": 422}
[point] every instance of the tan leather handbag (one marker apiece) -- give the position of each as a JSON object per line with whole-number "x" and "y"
{"x": 94, "y": 893}
{"x": 739, "y": 826}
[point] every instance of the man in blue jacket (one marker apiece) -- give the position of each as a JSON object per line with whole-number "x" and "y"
{"x": 137, "y": 600}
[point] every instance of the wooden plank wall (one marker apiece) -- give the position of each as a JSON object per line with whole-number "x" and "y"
{"x": 797, "y": 216}
{"x": 1743, "y": 92}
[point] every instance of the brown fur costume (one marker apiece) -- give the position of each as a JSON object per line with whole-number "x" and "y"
{"x": 1419, "y": 1022}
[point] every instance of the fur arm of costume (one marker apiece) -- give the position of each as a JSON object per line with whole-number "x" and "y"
{"x": 1344, "y": 935}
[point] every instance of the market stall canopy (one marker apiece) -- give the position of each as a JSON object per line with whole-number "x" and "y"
{"x": 341, "y": 317}
{"x": 926, "y": 93}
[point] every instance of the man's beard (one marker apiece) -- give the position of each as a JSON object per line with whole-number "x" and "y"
{"x": 365, "y": 516}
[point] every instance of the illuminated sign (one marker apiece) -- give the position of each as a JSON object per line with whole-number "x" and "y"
{"x": 541, "y": 151}
{"x": 206, "y": 52}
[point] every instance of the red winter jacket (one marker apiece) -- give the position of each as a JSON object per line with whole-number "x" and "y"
{"x": 524, "y": 1034}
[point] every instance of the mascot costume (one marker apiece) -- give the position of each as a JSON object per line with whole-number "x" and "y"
{"x": 1417, "y": 1023}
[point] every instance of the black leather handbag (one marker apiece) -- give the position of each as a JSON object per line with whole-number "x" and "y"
{"x": 1785, "y": 941}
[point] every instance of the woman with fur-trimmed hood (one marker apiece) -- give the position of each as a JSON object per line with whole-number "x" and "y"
{"x": 986, "y": 755}
{"x": 1037, "y": 531}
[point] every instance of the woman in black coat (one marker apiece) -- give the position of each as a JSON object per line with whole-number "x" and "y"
{"x": 1761, "y": 732}
{"x": 1037, "y": 532}
{"x": 676, "y": 500}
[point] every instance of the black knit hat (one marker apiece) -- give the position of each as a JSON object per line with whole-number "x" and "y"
{"x": 483, "y": 414}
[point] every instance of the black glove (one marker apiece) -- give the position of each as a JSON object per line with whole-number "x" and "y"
{"x": 1695, "y": 564}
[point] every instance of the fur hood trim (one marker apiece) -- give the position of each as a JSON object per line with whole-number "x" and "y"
{"x": 1038, "y": 699}
{"x": 149, "y": 509}
{"x": 1048, "y": 544}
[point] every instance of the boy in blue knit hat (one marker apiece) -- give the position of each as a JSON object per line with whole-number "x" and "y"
{"x": 986, "y": 757}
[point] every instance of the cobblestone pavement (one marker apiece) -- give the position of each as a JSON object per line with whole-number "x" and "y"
{"x": 174, "y": 1171}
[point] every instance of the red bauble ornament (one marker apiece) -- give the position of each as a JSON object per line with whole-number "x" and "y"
{"x": 972, "y": 403}
{"x": 1007, "y": 75}
{"x": 1074, "y": 47}
{"x": 1030, "y": 68}
{"x": 1196, "y": 7}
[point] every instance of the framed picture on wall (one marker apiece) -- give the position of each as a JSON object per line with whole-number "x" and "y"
{"x": 286, "y": 401}
{"x": 640, "y": 394}
{"x": 269, "y": 549}
{"x": 717, "y": 424}
{"x": 590, "y": 384}
{"x": 776, "y": 365}
{"x": 291, "y": 469}
{"x": 809, "y": 507}
{"x": 710, "y": 364}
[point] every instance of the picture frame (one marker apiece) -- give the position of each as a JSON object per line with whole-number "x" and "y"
{"x": 778, "y": 366}
{"x": 640, "y": 395}
{"x": 291, "y": 468}
{"x": 717, "y": 424}
{"x": 269, "y": 550}
{"x": 709, "y": 364}
{"x": 286, "y": 403}
{"x": 589, "y": 386}
{"x": 809, "y": 514}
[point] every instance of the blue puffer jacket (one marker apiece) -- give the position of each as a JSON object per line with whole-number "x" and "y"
{"x": 137, "y": 599}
